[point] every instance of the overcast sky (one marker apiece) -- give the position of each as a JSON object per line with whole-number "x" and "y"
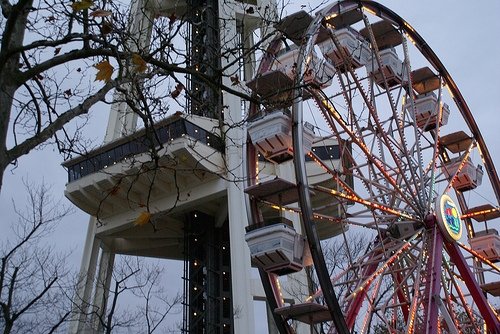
{"x": 464, "y": 35}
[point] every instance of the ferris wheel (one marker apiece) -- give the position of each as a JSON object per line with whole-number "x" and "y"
{"x": 362, "y": 131}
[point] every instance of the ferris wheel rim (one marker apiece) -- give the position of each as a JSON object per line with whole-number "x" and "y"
{"x": 298, "y": 123}
{"x": 306, "y": 49}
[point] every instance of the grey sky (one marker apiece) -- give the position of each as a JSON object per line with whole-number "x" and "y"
{"x": 464, "y": 35}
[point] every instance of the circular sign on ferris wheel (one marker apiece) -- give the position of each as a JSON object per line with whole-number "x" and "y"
{"x": 448, "y": 218}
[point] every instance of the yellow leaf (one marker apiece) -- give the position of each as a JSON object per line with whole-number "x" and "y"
{"x": 81, "y": 5}
{"x": 143, "y": 219}
{"x": 105, "y": 70}
{"x": 140, "y": 64}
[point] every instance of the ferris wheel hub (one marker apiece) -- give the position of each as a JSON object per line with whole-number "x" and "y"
{"x": 448, "y": 218}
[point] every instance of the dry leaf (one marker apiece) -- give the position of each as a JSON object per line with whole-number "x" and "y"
{"x": 140, "y": 65}
{"x": 106, "y": 27}
{"x": 100, "y": 13}
{"x": 177, "y": 91}
{"x": 105, "y": 70}
{"x": 235, "y": 80}
{"x": 142, "y": 219}
{"x": 172, "y": 19}
{"x": 82, "y": 5}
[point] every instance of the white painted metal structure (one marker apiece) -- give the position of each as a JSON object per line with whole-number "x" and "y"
{"x": 114, "y": 194}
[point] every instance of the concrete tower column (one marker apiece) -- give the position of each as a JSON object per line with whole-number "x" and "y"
{"x": 93, "y": 291}
{"x": 102, "y": 289}
{"x": 240, "y": 254}
{"x": 85, "y": 284}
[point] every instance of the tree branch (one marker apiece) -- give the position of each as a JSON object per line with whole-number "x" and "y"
{"x": 60, "y": 322}
{"x": 34, "y": 300}
{"x": 12, "y": 285}
{"x": 62, "y": 59}
{"x": 14, "y": 22}
{"x": 29, "y": 144}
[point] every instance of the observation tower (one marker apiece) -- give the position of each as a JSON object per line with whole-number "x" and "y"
{"x": 174, "y": 190}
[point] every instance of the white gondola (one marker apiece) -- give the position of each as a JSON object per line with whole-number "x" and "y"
{"x": 276, "y": 248}
{"x": 272, "y": 135}
{"x": 487, "y": 244}
{"x": 427, "y": 111}
{"x": 390, "y": 66}
{"x": 317, "y": 72}
{"x": 354, "y": 46}
{"x": 469, "y": 177}
{"x": 276, "y": 85}
{"x": 328, "y": 151}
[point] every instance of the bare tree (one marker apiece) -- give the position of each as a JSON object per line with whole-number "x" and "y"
{"x": 59, "y": 59}
{"x": 137, "y": 300}
{"x": 33, "y": 276}
{"x": 37, "y": 288}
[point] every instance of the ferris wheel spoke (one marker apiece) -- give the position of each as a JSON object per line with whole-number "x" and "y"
{"x": 401, "y": 287}
{"x": 448, "y": 310}
{"x": 383, "y": 189}
{"x": 413, "y": 314}
{"x": 354, "y": 305}
{"x": 459, "y": 299}
{"x": 380, "y": 165}
{"x": 385, "y": 140}
{"x": 416, "y": 132}
{"x": 368, "y": 203}
{"x": 383, "y": 267}
{"x": 480, "y": 257}
{"x": 371, "y": 308}
{"x": 435, "y": 153}
{"x": 369, "y": 185}
{"x": 398, "y": 128}
{"x": 351, "y": 195}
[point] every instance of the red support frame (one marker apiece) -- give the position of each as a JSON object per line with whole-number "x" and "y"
{"x": 356, "y": 303}
{"x": 487, "y": 313}
{"x": 433, "y": 279}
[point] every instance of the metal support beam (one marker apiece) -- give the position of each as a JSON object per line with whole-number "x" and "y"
{"x": 433, "y": 279}
{"x": 447, "y": 318}
{"x": 482, "y": 304}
